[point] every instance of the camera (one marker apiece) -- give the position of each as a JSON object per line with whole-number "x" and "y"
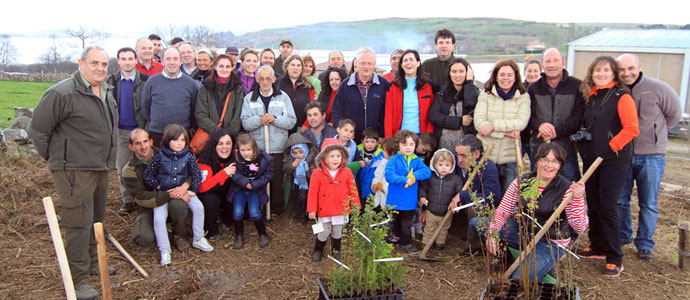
{"x": 581, "y": 135}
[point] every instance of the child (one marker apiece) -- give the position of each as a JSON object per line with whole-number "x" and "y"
{"x": 402, "y": 172}
{"x": 167, "y": 170}
{"x": 371, "y": 154}
{"x": 379, "y": 185}
{"x": 425, "y": 149}
{"x": 437, "y": 193}
{"x": 299, "y": 161}
{"x": 331, "y": 192}
{"x": 346, "y": 132}
{"x": 249, "y": 187}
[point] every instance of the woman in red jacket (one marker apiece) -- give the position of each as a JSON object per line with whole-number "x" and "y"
{"x": 409, "y": 98}
{"x": 329, "y": 88}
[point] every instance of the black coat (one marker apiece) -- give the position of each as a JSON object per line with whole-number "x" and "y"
{"x": 440, "y": 110}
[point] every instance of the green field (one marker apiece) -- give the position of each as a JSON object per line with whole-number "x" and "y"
{"x": 21, "y": 94}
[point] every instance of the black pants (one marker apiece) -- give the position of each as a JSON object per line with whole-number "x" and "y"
{"x": 215, "y": 205}
{"x": 603, "y": 190}
{"x": 299, "y": 200}
{"x": 277, "y": 203}
{"x": 401, "y": 225}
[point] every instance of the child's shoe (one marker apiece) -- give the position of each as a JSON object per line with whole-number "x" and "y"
{"x": 165, "y": 259}
{"x": 203, "y": 245}
{"x": 410, "y": 249}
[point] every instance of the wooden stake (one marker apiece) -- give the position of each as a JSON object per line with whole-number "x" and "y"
{"x": 102, "y": 261}
{"x": 519, "y": 162}
{"x": 684, "y": 245}
{"x": 124, "y": 253}
{"x": 268, "y": 185}
{"x": 59, "y": 248}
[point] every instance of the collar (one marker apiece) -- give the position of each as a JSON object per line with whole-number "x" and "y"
{"x": 188, "y": 71}
{"x": 122, "y": 76}
{"x": 354, "y": 79}
{"x": 179, "y": 74}
{"x": 609, "y": 85}
{"x": 639, "y": 78}
{"x": 270, "y": 92}
{"x": 148, "y": 66}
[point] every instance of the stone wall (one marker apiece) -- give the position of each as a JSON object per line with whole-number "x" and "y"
{"x": 36, "y": 77}
{"x": 15, "y": 140}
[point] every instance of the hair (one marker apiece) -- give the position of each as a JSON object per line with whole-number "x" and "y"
{"x": 135, "y": 131}
{"x": 444, "y": 156}
{"x": 302, "y": 80}
{"x": 308, "y": 58}
{"x": 428, "y": 138}
{"x": 494, "y": 75}
{"x": 550, "y": 49}
{"x": 353, "y": 67}
{"x": 126, "y": 49}
{"x": 266, "y": 50}
{"x": 208, "y": 155}
{"x": 246, "y": 139}
{"x": 390, "y": 146}
{"x": 326, "y": 89}
{"x": 402, "y": 135}
{"x": 250, "y": 51}
{"x": 588, "y": 82}
{"x": 363, "y": 50}
{"x": 88, "y": 49}
{"x": 473, "y": 143}
{"x": 315, "y": 104}
{"x": 346, "y": 121}
{"x": 139, "y": 40}
{"x": 211, "y": 77}
{"x": 154, "y": 37}
{"x": 451, "y": 94}
{"x": 186, "y": 43}
{"x": 370, "y": 133}
{"x": 171, "y": 48}
{"x": 532, "y": 61}
{"x": 544, "y": 150}
{"x": 444, "y": 33}
{"x": 173, "y": 131}
{"x": 330, "y": 53}
{"x": 321, "y": 157}
{"x": 396, "y": 51}
{"x": 264, "y": 67}
{"x": 400, "y": 80}
{"x": 176, "y": 40}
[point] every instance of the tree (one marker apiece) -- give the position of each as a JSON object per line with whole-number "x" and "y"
{"x": 686, "y": 26}
{"x": 84, "y": 34}
{"x": 7, "y": 51}
{"x": 53, "y": 56}
{"x": 197, "y": 35}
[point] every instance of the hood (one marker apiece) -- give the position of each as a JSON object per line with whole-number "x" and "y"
{"x": 326, "y": 148}
{"x": 294, "y": 139}
{"x": 304, "y": 148}
{"x": 433, "y": 159}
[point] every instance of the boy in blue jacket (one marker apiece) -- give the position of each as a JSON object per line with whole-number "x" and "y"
{"x": 371, "y": 155}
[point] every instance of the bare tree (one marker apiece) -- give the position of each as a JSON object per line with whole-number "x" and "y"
{"x": 53, "y": 55}
{"x": 84, "y": 34}
{"x": 197, "y": 35}
{"x": 167, "y": 33}
{"x": 7, "y": 51}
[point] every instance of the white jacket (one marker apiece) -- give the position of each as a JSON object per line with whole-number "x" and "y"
{"x": 380, "y": 196}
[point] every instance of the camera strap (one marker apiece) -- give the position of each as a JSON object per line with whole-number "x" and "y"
{"x": 596, "y": 114}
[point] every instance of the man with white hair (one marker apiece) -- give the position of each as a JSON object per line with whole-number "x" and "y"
{"x": 146, "y": 64}
{"x": 362, "y": 96}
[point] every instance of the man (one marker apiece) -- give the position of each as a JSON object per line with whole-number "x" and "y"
{"x": 204, "y": 60}
{"x": 187, "y": 55}
{"x": 169, "y": 97}
{"x": 156, "y": 40}
{"x": 285, "y": 47}
{"x": 234, "y": 54}
{"x": 128, "y": 85}
{"x": 267, "y": 57}
{"x": 557, "y": 110}
{"x": 74, "y": 130}
{"x": 658, "y": 109}
{"x": 266, "y": 105}
{"x": 436, "y": 68}
{"x": 175, "y": 42}
{"x": 362, "y": 96}
{"x": 395, "y": 63}
{"x": 147, "y": 197}
{"x": 318, "y": 128}
{"x": 335, "y": 60}
{"x": 146, "y": 65}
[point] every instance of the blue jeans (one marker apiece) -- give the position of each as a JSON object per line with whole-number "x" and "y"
{"x": 546, "y": 251}
{"x": 252, "y": 200}
{"x": 506, "y": 174}
{"x": 571, "y": 170}
{"x": 646, "y": 171}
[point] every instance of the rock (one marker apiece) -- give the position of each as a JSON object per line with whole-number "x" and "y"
{"x": 31, "y": 150}
{"x": 21, "y": 122}
{"x": 23, "y": 111}
{"x": 19, "y": 136}
{"x": 3, "y": 144}
{"x": 13, "y": 151}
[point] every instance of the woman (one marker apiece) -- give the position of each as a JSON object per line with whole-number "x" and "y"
{"x": 532, "y": 73}
{"x": 247, "y": 72}
{"x": 453, "y": 106}
{"x": 204, "y": 59}
{"x": 609, "y": 124}
{"x": 554, "y": 189}
{"x": 329, "y": 89}
{"x": 353, "y": 67}
{"x": 310, "y": 70}
{"x": 217, "y": 164}
{"x": 220, "y": 85}
{"x": 409, "y": 98}
{"x": 298, "y": 87}
{"x": 502, "y": 111}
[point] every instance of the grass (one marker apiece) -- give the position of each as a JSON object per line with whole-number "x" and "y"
{"x": 19, "y": 94}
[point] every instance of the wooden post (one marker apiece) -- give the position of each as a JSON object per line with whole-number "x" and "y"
{"x": 684, "y": 245}
{"x": 102, "y": 261}
{"x": 126, "y": 254}
{"x": 59, "y": 248}
{"x": 268, "y": 185}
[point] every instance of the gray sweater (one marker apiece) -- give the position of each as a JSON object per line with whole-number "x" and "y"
{"x": 658, "y": 109}
{"x": 168, "y": 101}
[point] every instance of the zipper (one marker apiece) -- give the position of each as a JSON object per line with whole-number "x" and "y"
{"x": 440, "y": 188}
{"x": 64, "y": 159}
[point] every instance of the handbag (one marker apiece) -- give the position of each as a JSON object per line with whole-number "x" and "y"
{"x": 201, "y": 137}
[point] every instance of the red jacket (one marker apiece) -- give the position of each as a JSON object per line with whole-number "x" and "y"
{"x": 328, "y": 195}
{"x": 394, "y": 109}
{"x": 156, "y": 68}
{"x": 210, "y": 180}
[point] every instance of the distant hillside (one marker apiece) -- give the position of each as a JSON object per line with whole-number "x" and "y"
{"x": 474, "y": 35}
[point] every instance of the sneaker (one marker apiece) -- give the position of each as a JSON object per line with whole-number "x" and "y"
{"x": 165, "y": 259}
{"x": 613, "y": 270}
{"x": 126, "y": 208}
{"x": 181, "y": 243}
{"x": 591, "y": 253}
{"x": 96, "y": 271}
{"x": 203, "y": 245}
{"x": 392, "y": 239}
{"x": 410, "y": 249}
{"x": 86, "y": 292}
{"x": 645, "y": 254}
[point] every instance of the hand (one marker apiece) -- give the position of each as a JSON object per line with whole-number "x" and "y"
{"x": 179, "y": 191}
{"x": 231, "y": 169}
{"x": 546, "y": 131}
{"x": 578, "y": 189}
{"x": 295, "y": 163}
{"x": 466, "y": 120}
{"x": 486, "y": 129}
{"x": 249, "y": 186}
{"x": 424, "y": 201}
{"x": 492, "y": 246}
{"x": 268, "y": 119}
{"x": 422, "y": 218}
{"x": 514, "y": 134}
{"x": 454, "y": 203}
{"x": 410, "y": 181}
{"x": 312, "y": 215}
{"x": 190, "y": 193}
{"x": 185, "y": 198}
{"x": 375, "y": 188}
{"x": 303, "y": 129}
{"x": 362, "y": 164}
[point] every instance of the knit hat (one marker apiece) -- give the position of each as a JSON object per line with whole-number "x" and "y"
{"x": 286, "y": 41}
{"x": 207, "y": 51}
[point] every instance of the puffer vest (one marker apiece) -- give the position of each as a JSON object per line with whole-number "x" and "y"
{"x": 173, "y": 169}
{"x": 603, "y": 128}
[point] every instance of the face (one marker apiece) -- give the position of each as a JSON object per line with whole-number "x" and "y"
{"x": 458, "y": 74}
{"x": 235, "y": 58}
{"x": 224, "y": 68}
{"x": 365, "y": 65}
{"x": 410, "y": 65}
{"x": 370, "y": 144}
{"x": 333, "y": 160}
{"x": 346, "y": 132}
{"x": 187, "y": 54}
{"x": 297, "y": 153}
{"x": 505, "y": 78}
{"x": 395, "y": 61}
{"x": 203, "y": 61}
{"x": 444, "y": 46}
{"x": 308, "y": 68}
{"x": 336, "y": 60}
{"x": 265, "y": 79}
{"x": 246, "y": 151}
{"x": 422, "y": 149}
{"x": 407, "y": 147}
{"x": 553, "y": 64}
{"x": 144, "y": 50}
{"x": 628, "y": 69}
{"x": 156, "y": 46}
{"x": 171, "y": 62}
{"x": 224, "y": 147}
{"x": 464, "y": 156}
{"x": 443, "y": 167}
{"x": 178, "y": 143}
{"x": 315, "y": 117}
{"x": 334, "y": 80}
{"x": 285, "y": 49}
{"x": 95, "y": 68}
{"x": 141, "y": 145}
{"x": 548, "y": 166}
{"x": 294, "y": 69}
{"x": 602, "y": 74}
{"x": 268, "y": 58}
{"x": 532, "y": 73}
{"x": 127, "y": 61}
{"x": 250, "y": 64}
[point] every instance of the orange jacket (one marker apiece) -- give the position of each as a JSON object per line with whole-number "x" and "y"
{"x": 394, "y": 109}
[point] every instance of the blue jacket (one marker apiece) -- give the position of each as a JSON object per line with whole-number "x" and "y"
{"x": 348, "y": 104}
{"x": 484, "y": 183}
{"x": 366, "y": 175}
{"x": 264, "y": 176}
{"x": 169, "y": 169}
{"x": 400, "y": 197}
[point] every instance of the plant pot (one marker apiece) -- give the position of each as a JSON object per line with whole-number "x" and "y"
{"x": 325, "y": 295}
{"x": 514, "y": 290}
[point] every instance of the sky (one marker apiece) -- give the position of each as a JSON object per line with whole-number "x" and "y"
{"x": 127, "y": 18}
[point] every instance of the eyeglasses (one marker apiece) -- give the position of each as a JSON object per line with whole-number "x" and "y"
{"x": 546, "y": 160}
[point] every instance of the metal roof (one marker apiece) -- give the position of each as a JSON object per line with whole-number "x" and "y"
{"x": 657, "y": 38}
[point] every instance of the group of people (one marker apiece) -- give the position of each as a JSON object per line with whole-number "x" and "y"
{"x": 407, "y": 139}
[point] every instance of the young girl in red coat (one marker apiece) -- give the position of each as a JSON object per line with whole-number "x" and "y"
{"x": 331, "y": 193}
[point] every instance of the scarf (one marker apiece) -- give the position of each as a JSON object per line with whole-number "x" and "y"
{"x": 301, "y": 170}
{"x": 504, "y": 95}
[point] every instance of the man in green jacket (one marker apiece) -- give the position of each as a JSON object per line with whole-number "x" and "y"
{"x": 436, "y": 69}
{"x": 73, "y": 128}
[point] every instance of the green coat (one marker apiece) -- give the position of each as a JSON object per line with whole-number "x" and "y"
{"x": 206, "y": 110}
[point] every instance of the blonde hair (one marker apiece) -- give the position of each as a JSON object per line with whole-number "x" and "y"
{"x": 444, "y": 156}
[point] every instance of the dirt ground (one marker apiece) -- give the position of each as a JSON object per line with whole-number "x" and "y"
{"x": 29, "y": 270}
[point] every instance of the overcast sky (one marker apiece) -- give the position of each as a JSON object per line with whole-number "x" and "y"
{"x": 128, "y": 17}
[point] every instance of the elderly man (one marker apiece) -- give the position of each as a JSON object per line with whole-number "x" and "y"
{"x": 437, "y": 68}
{"x": 188, "y": 58}
{"x": 557, "y": 110}
{"x": 335, "y": 60}
{"x": 285, "y": 48}
{"x": 658, "y": 107}
{"x": 204, "y": 60}
{"x": 395, "y": 63}
{"x": 157, "y": 44}
{"x": 74, "y": 128}
{"x": 146, "y": 64}
{"x": 362, "y": 96}
{"x": 169, "y": 97}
